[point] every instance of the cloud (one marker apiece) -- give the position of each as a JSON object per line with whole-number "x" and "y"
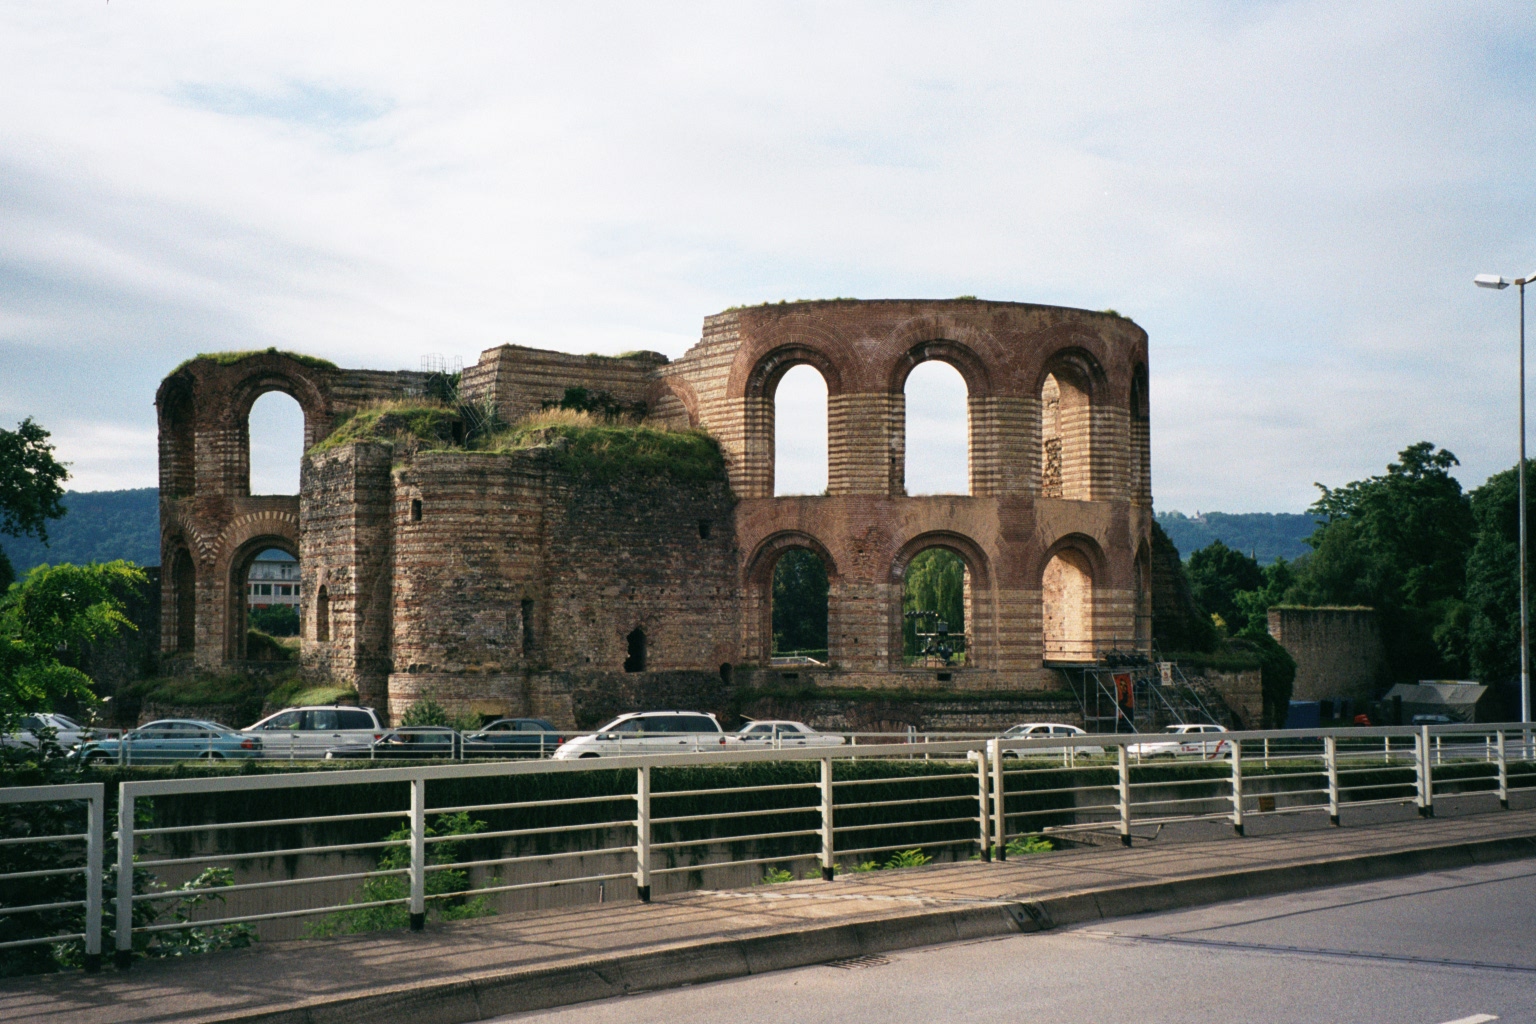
{"x": 1291, "y": 197}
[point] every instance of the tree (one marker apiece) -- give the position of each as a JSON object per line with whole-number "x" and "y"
{"x": 1217, "y": 574}
{"x": 30, "y": 482}
{"x": 935, "y": 582}
{"x": 1178, "y": 622}
{"x": 53, "y": 610}
{"x": 1493, "y": 578}
{"x": 1398, "y": 543}
{"x": 799, "y": 602}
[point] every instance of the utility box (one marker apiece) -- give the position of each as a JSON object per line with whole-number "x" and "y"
{"x": 1304, "y": 714}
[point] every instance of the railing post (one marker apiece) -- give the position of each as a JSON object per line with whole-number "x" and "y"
{"x": 123, "y": 957}
{"x": 1237, "y": 786}
{"x": 95, "y": 832}
{"x": 1426, "y": 779}
{"x": 982, "y": 800}
{"x": 418, "y": 854}
{"x": 643, "y": 833}
{"x": 1125, "y": 797}
{"x": 1331, "y": 760}
{"x": 828, "y": 861}
{"x": 1503, "y": 773}
{"x": 999, "y": 807}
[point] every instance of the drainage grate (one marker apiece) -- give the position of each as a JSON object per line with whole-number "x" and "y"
{"x": 858, "y": 963}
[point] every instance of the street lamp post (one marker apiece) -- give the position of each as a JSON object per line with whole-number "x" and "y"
{"x": 1495, "y": 281}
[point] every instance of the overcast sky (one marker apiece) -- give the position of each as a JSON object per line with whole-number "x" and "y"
{"x": 1292, "y": 199}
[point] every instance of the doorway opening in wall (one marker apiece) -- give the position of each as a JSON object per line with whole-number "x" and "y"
{"x": 938, "y": 425}
{"x": 799, "y": 609}
{"x": 935, "y": 600}
{"x": 275, "y": 433}
{"x": 265, "y": 604}
{"x": 1067, "y": 593}
{"x": 800, "y": 433}
{"x": 184, "y": 596}
{"x": 635, "y": 662}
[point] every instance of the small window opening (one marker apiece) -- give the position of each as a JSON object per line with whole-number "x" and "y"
{"x": 323, "y": 615}
{"x": 527, "y": 608}
{"x": 415, "y": 510}
{"x": 636, "y": 660}
{"x": 704, "y": 529}
{"x": 725, "y": 672}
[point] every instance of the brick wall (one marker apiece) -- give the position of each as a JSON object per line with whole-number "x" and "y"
{"x": 1338, "y": 651}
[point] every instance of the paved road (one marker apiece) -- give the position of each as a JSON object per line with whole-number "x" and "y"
{"x": 1450, "y": 946}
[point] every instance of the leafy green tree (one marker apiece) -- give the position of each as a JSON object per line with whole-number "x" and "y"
{"x": 1398, "y": 543}
{"x": 935, "y": 582}
{"x": 30, "y": 482}
{"x": 1217, "y": 574}
{"x": 53, "y": 610}
{"x": 1493, "y": 578}
{"x": 1253, "y": 605}
{"x": 799, "y": 602}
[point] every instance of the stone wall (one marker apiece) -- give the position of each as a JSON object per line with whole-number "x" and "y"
{"x": 1242, "y": 691}
{"x": 1338, "y": 651}
{"x": 519, "y": 380}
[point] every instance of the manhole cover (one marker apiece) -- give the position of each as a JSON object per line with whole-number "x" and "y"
{"x": 858, "y": 963}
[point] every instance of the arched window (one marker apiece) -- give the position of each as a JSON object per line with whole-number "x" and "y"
{"x": 272, "y": 593}
{"x": 800, "y": 606}
{"x": 1065, "y": 433}
{"x": 184, "y": 593}
{"x": 935, "y": 605}
{"x": 800, "y": 432}
{"x": 1141, "y": 439}
{"x": 937, "y": 443}
{"x": 323, "y": 615}
{"x": 635, "y": 662}
{"x": 1067, "y": 592}
{"x": 276, "y": 435}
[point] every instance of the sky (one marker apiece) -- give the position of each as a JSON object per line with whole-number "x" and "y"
{"x": 1291, "y": 198}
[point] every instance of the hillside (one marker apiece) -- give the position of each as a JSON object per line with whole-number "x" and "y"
{"x": 98, "y": 526}
{"x": 1265, "y": 535}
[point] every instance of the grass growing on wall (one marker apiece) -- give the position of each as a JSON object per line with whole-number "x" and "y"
{"x": 423, "y": 420}
{"x": 589, "y": 446}
{"x": 231, "y": 358}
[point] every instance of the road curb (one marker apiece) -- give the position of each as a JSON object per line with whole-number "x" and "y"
{"x": 464, "y": 999}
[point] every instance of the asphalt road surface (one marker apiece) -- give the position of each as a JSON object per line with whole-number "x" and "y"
{"x": 1451, "y": 946}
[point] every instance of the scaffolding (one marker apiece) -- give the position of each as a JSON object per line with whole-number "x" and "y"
{"x": 1131, "y": 689}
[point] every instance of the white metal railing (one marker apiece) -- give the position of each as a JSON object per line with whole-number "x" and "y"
{"x": 971, "y": 797}
{"x": 90, "y": 856}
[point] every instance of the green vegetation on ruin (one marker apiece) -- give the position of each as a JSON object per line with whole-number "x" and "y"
{"x": 587, "y": 446}
{"x": 231, "y": 358}
{"x": 422, "y": 420}
{"x": 232, "y": 698}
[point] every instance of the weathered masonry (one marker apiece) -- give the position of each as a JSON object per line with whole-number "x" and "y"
{"x": 530, "y": 579}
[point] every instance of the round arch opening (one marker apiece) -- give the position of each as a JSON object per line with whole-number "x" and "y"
{"x": 1066, "y": 587}
{"x": 936, "y": 610}
{"x": 266, "y": 602}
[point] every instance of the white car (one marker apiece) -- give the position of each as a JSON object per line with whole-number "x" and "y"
{"x": 1184, "y": 740}
{"x": 777, "y": 734}
{"x": 1043, "y": 730}
{"x": 67, "y": 732}
{"x": 648, "y": 732}
{"x": 308, "y": 732}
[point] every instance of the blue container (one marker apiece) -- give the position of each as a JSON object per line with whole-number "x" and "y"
{"x": 1304, "y": 714}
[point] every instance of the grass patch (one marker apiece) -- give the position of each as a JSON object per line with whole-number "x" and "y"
{"x": 584, "y": 445}
{"x": 231, "y": 358}
{"x": 392, "y": 421}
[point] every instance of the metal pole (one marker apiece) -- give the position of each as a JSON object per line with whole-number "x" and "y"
{"x": 418, "y": 854}
{"x": 643, "y": 833}
{"x": 1125, "y": 797}
{"x": 982, "y": 800}
{"x": 828, "y": 864}
{"x": 1331, "y": 759}
{"x": 123, "y": 958}
{"x": 95, "y": 831}
{"x": 1426, "y": 778}
{"x": 999, "y": 809}
{"x": 1503, "y": 774}
{"x": 1525, "y": 619}
{"x": 1237, "y": 786}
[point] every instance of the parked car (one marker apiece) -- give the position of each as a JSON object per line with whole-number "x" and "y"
{"x": 1186, "y": 739}
{"x": 648, "y": 732}
{"x": 308, "y": 732}
{"x": 1042, "y": 730}
{"x": 408, "y": 741}
{"x": 67, "y": 732}
{"x": 514, "y": 737}
{"x": 172, "y": 739}
{"x": 1432, "y": 720}
{"x": 778, "y": 734}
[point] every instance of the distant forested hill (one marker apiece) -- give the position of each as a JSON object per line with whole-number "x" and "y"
{"x": 98, "y": 526}
{"x": 1265, "y": 535}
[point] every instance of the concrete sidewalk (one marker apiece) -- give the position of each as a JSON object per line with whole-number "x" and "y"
{"x": 477, "y": 969}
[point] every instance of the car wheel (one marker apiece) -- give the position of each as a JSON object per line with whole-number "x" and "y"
{"x": 210, "y": 755}
{"x": 585, "y": 756}
{"x": 95, "y": 758}
{"x": 1010, "y": 753}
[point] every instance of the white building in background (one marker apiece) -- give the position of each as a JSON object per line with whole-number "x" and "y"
{"x": 273, "y": 580}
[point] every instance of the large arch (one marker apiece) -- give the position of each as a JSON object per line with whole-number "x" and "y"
{"x": 1069, "y": 385}
{"x": 179, "y": 600}
{"x": 1071, "y": 573}
{"x": 760, "y": 413}
{"x": 238, "y": 568}
{"x": 310, "y": 398}
{"x": 981, "y": 631}
{"x": 759, "y": 590}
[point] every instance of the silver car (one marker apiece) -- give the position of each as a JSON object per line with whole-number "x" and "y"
{"x": 648, "y": 732}
{"x": 777, "y": 734}
{"x": 67, "y": 732}
{"x": 1045, "y": 730}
